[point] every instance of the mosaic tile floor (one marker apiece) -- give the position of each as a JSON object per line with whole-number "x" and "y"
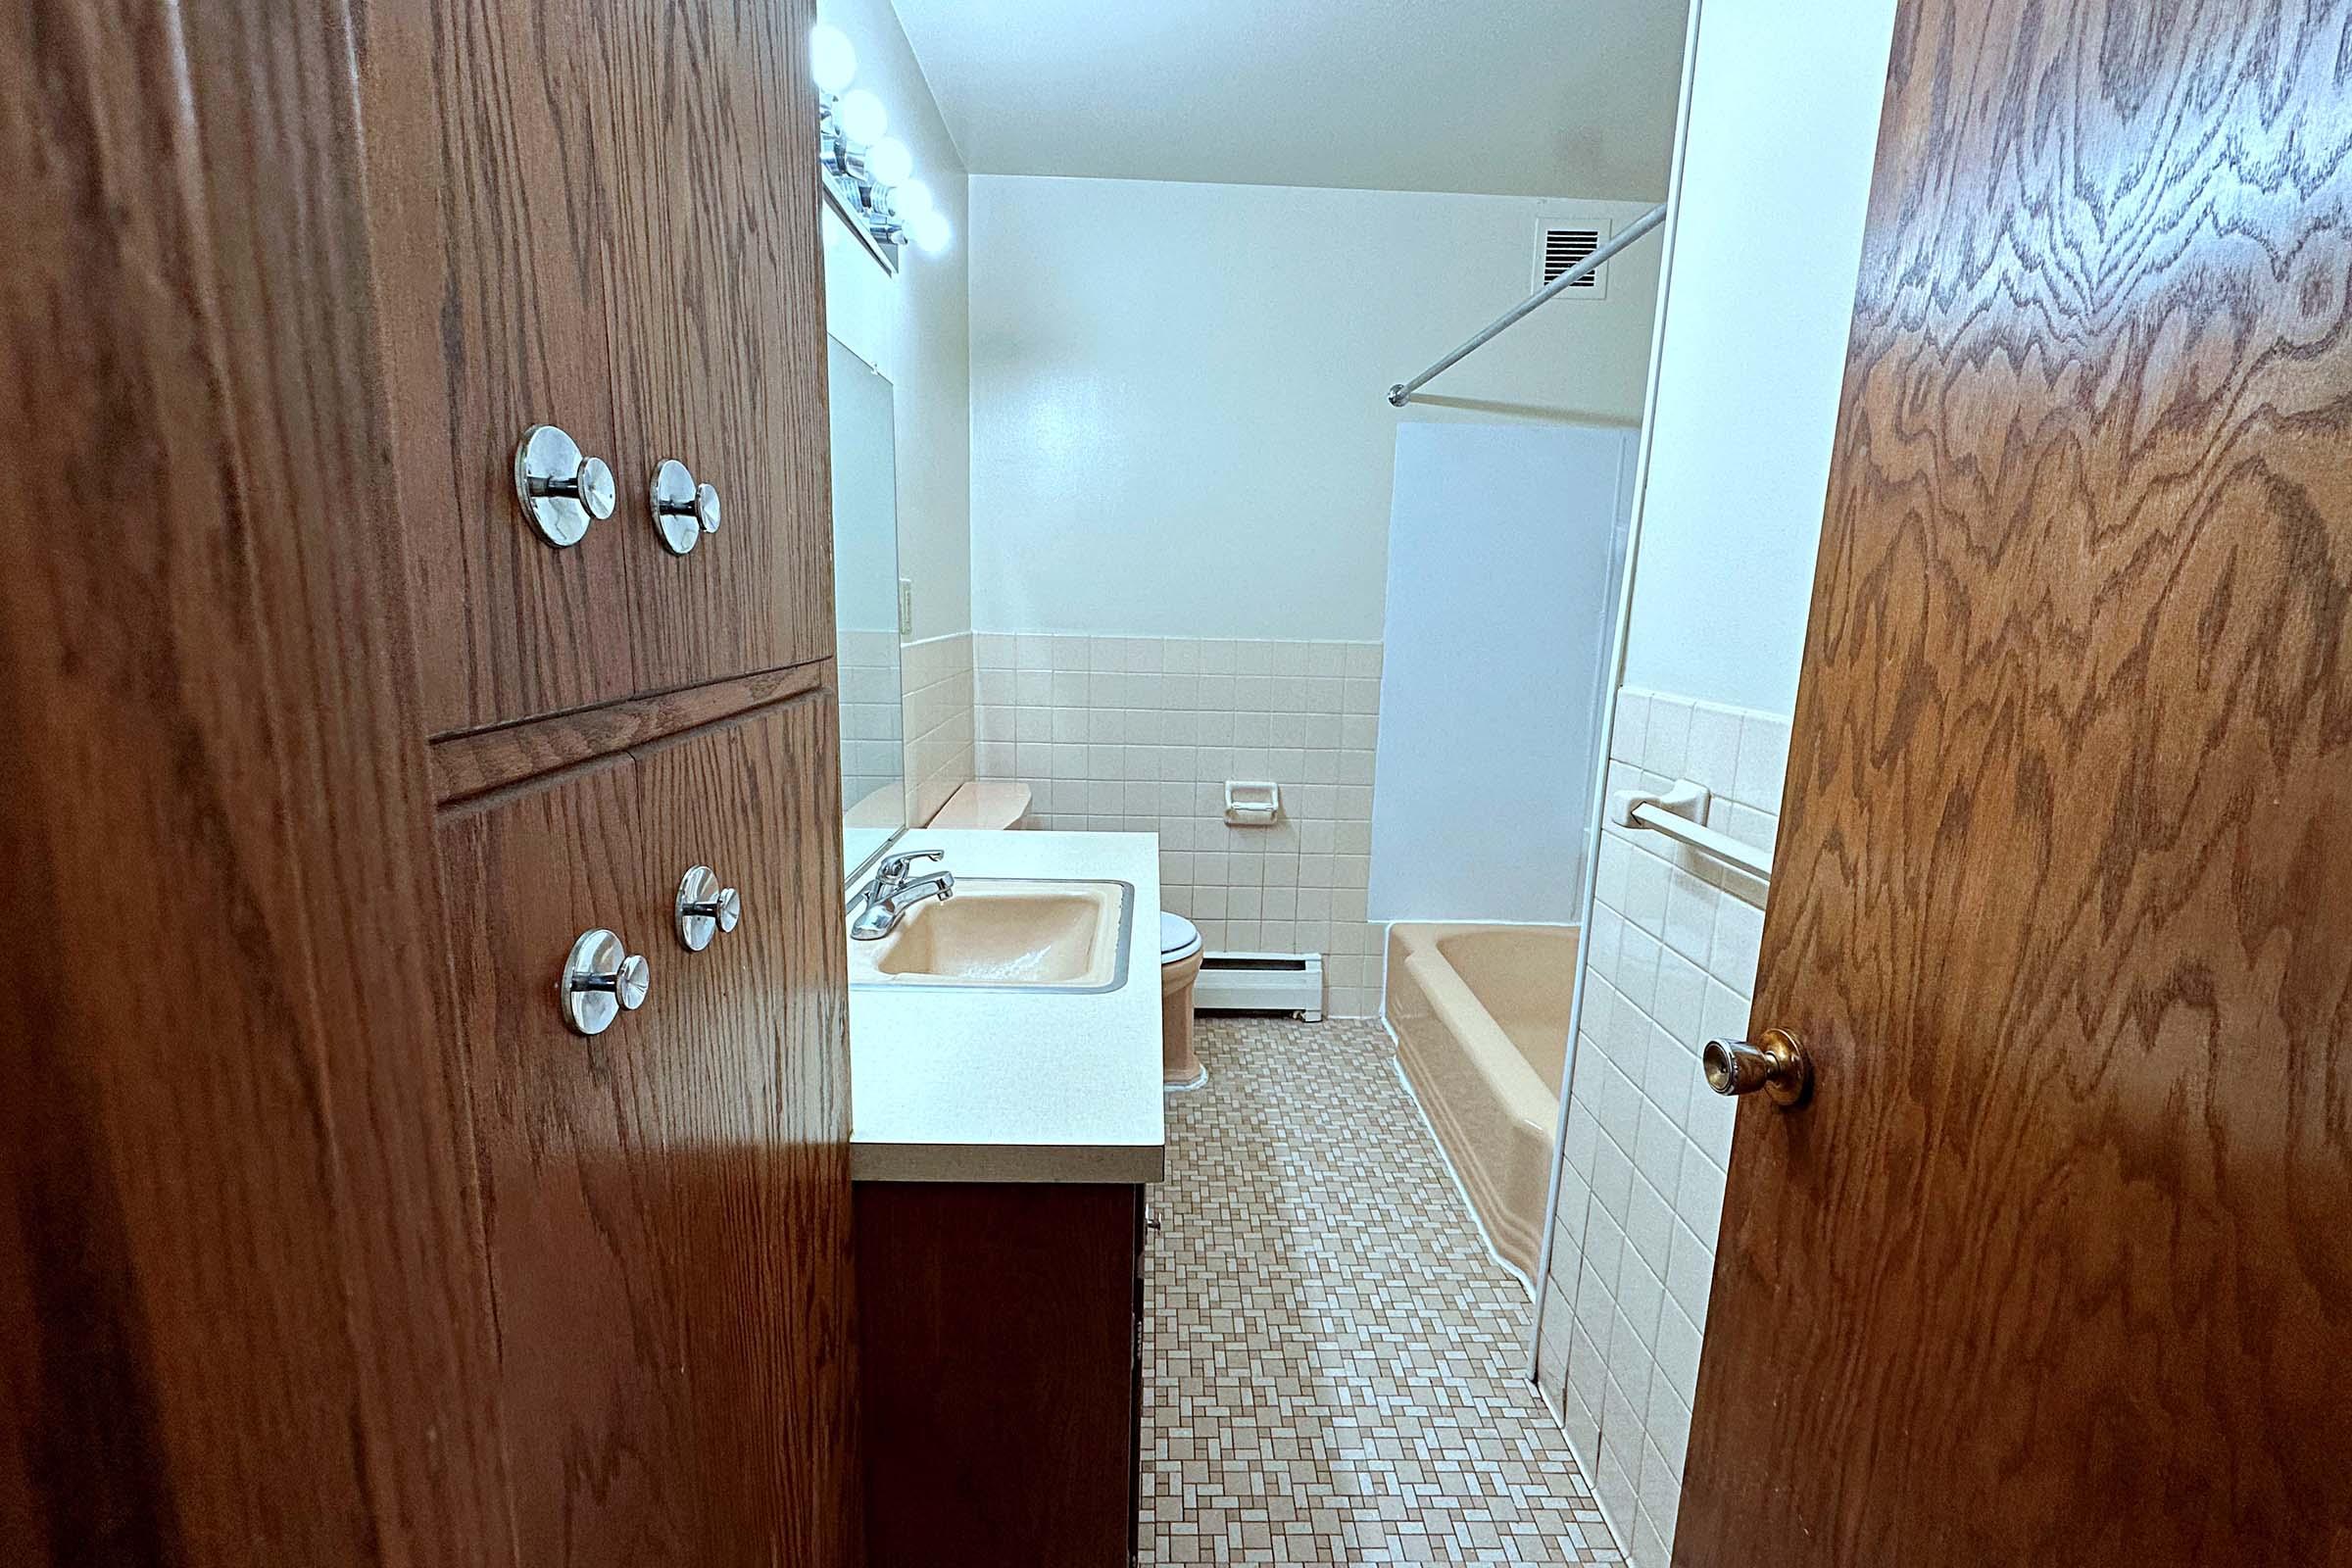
{"x": 1335, "y": 1364}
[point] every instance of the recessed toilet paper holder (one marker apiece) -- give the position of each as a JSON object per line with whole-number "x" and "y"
{"x": 1251, "y": 803}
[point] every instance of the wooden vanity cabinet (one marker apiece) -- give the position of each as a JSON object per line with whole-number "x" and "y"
{"x": 1000, "y": 1355}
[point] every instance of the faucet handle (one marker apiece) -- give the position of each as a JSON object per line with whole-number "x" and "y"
{"x": 896, "y": 865}
{"x": 901, "y": 896}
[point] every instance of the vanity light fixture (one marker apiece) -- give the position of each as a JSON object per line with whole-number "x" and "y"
{"x": 891, "y": 164}
{"x": 832, "y": 59}
{"x": 867, "y": 175}
{"x": 925, "y": 224}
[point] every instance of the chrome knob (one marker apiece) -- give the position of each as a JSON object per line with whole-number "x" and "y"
{"x": 683, "y": 511}
{"x": 705, "y": 908}
{"x": 602, "y": 978}
{"x": 1776, "y": 1063}
{"x": 561, "y": 490}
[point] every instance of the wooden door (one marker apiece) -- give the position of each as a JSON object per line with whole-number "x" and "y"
{"x": 575, "y": 1180}
{"x": 1000, "y": 1432}
{"x": 665, "y": 1202}
{"x": 2055, "y": 1267}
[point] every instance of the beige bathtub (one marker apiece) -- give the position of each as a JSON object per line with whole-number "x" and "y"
{"x": 1480, "y": 1015}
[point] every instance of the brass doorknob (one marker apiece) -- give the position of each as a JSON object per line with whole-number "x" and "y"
{"x": 1774, "y": 1064}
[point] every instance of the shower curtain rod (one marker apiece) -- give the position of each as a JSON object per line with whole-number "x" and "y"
{"x": 1403, "y": 392}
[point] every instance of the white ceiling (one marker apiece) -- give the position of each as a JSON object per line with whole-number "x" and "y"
{"x": 1513, "y": 97}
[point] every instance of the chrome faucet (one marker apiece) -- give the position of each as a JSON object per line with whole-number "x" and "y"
{"x": 884, "y": 902}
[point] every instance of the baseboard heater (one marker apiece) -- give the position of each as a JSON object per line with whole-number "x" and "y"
{"x": 1261, "y": 982}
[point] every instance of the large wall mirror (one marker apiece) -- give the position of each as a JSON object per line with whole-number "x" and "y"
{"x": 865, "y": 608}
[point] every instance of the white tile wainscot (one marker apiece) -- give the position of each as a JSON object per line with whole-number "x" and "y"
{"x": 1671, "y": 961}
{"x": 939, "y": 723}
{"x": 1139, "y": 734}
{"x": 873, "y": 740}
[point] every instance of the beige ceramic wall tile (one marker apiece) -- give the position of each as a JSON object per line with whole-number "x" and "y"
{"x": 1140, "y": 734}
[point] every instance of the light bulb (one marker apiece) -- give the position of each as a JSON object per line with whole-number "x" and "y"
{"x": 930, "y": 229}
{"x": 832, "y": 57}
{"x": 911, "y": 198}
{"x": 890, "y": 161}
{"x": 864, "y": 120}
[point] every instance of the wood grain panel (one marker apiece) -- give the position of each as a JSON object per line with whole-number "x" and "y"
{"x": 754, "y": 1080}
{"x": 602, "y": 216}
{"x": 239, "y": 1314}
{"x": 720, "y": 338}
{"x": 997, "y": 1344}
{"x": 668, "y": 1202}
{"x": 491, "y": 184}
{"x": 2054, "y": 1268}
{"x": 591, "y": 1299}
{"x": 468, "y": 766}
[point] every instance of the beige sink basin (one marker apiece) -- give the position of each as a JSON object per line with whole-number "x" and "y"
{"x": 1008, "y": 935}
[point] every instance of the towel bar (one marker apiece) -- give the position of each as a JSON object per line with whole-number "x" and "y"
{"x": 1680, "y": 813}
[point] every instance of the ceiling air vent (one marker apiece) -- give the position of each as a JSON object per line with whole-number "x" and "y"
{"x": 1560, "y": 246}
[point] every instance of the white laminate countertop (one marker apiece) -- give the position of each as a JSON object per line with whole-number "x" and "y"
{"x": 963, "y": 1084}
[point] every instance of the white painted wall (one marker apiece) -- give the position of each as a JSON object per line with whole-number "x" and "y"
{"x": 1179, "y": 425}
{"x": 913, "y": 329}
{"x": 1782, "y": 107}
{"x": 1767, "y": 245}
{"x": 1500, "y": 612}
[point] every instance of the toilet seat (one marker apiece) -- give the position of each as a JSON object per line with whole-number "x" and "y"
{"x": 1179, "y": 938}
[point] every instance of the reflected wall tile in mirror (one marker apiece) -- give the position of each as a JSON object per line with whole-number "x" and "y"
{"x": 866, "y": 607}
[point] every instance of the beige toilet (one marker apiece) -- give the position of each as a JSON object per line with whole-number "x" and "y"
{"x": 1179, "y": 967}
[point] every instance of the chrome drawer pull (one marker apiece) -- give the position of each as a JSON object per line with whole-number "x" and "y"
{"x": 683, "y": 511}
{"x": 601, "y": 979}
{"x": 705, "y": 908}
{"x": 561, "y": 490}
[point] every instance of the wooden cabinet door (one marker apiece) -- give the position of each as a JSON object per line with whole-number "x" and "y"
{"x": 2053, "y": 1268}
{"x": 1000, "y": 1330}
{"x": 719, "y": 339}
{"x": 666, "y": 1203}
{"x": 602, "y": 218}
{"x": 490, "y": 133}
{"x": 750, "y": 1042}
{"x": 576, "y": 1191}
